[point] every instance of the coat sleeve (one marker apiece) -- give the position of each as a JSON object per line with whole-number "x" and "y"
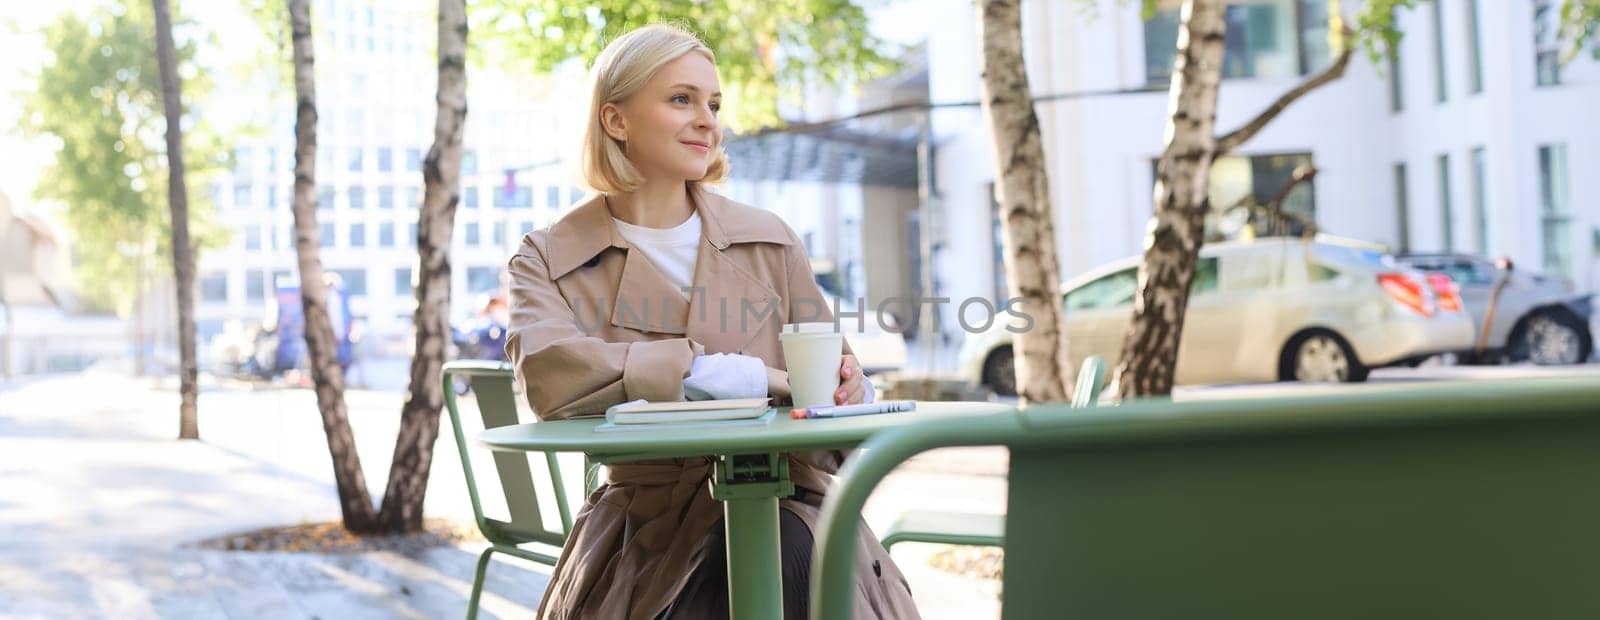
{"x": 566, "y": 373}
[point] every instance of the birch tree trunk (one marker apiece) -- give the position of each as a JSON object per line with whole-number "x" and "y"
{"x": 1172, "y": 244}
{"x": 182, "y": 250}
{"x": 1149, "y": 358}
{"x": 1023, "y": 192}
{"x": 441, "y": 173}
{"x": 355, "y": 503}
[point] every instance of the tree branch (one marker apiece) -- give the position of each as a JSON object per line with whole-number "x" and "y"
{"x": 1232, "y": 140}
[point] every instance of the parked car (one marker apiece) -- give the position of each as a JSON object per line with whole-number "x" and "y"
{"x": 878, "y": 349}
{"x": 1270, "y": 309}
{"x": 1533, "y": 318}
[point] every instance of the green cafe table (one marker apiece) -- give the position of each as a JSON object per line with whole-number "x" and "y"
{"x": 749, "y": 475}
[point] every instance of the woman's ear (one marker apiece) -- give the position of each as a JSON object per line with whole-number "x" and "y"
{"x": 611, "y": 120}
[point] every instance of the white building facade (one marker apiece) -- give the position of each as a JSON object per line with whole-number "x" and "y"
{"x": 375, "y": 79}
{"x": 1474, "y": 141}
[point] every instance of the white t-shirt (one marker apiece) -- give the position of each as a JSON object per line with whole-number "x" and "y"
{"x": 672, "y": 251}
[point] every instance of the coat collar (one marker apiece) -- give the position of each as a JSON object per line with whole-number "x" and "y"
{"x": 587, "y": 230}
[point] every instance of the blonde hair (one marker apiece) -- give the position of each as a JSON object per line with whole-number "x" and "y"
{"x": 620, "y": 71}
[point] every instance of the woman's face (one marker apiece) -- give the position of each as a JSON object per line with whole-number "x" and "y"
{"x": 670, "y": 125}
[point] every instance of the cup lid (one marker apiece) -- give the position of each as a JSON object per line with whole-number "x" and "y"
{"x": 809, "y": 328}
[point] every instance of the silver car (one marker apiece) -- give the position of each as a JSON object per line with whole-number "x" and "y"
{"x": 1264, "y": 310}
{"x": 1531, "y": 318}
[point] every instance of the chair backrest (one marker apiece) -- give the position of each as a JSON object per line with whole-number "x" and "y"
{"x": 492, "y": 385}
{"x": 1091, "y": 376}
{"x": 1463, "y": 501}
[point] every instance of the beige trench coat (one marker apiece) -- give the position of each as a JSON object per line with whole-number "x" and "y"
{"x": 593, "y": 325}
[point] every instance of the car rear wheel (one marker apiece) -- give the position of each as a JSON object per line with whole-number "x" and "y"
{"x": 1551, "y": 338}
{"x": 1000, "y": 371}
{"x": 1320, "y": 356}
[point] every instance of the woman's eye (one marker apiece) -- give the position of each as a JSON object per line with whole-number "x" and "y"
{"x": 716, "y": 107}
{"x": 680, "y": 99}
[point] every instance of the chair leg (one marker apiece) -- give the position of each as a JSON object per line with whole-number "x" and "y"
{"x": 477, "y": 583}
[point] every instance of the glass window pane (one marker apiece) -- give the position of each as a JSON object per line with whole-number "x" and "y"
{"x": 1109, "y": 291}
{"x": 358, "y": 235}
{"x": 402, "y": 281}
{"x": 214, "y": 287}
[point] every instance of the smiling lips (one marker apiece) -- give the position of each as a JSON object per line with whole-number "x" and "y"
{"x": 699, "y": 147}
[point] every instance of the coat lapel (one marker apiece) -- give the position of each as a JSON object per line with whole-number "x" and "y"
{"x": 729, "y": 306}
{"x": 646, "y": 301}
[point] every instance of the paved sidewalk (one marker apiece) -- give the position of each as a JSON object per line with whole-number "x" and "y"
{"x": 100, "y": 510}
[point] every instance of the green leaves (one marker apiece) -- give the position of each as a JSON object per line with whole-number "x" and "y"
{"x": 766, "y": 49}
{"x": 99, "y": 97}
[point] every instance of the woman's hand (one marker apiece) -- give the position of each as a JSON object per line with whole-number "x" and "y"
{"x": 852, "y": 388}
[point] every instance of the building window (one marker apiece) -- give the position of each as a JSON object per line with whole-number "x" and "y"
{"x": 480, "y": 279}
{"x": 411, "y": 235}
{"x": 324, "y": 196}
{"x": 255, "y": 285}
{"x": 1446, "y": 219}
{"x": 385, "y": 159}
{"x": 272, "y": 197}
{"x": 413, "y": 160}
{"x": 552, "y": 197}
{"x": 386, "y": 197}
{"x": 252, "y": 238}
{"x": 573, "y": 195}
{"x": 386, "y": 234}
{"x": 1266, "y": 38}
{"x": 413, "y": 198}
{"x": 1547, "y": 42}
{"x": 241, "y": 161}
{"x": 354, "y": 281}
{"x": 1402, "y": 209}
{"x": 469, "y": 197}
{"x": 471, "y": 233}
{"x": 526, "y": 227}
{"x": 469, "y": 162}
{"x": 1554, "y": 210}
{"x": 358, "y": 197}
{"x": 1259, "y": 178}
{"x": 356, "y": 159}
{"x": 214, "y": 287}
{"x": 325, "y": 234}
{"x": 1480, "y": 201}
{"x": 241, "y": 196}
{"x": 500, "y": 234}
{"x": 1441, "y": 90}
{"x": 402, "y": 281}
{"x": 1315, "y": 54}
{"x": 1474, "y": 55}
{"x": 358, "y": 235}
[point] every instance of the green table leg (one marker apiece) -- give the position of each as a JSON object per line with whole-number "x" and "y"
{"x": 749, "y": 487}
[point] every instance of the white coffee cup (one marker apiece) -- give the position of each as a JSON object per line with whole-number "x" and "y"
{"x": 812, "y": 351}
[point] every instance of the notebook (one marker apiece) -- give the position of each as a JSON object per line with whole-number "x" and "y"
{"x": 760, "y": 420}
{"x": 644, "y": 412}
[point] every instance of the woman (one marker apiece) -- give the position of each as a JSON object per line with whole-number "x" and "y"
{"x": 654, "y": 288}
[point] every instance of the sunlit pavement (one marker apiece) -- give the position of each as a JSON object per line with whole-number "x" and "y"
{"x": 99, "y": 509}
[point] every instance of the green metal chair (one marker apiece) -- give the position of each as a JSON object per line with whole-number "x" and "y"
{"x": 1467, "y": 500}
{"x": 977, "y": 529}
{"x": 492, "y": 383}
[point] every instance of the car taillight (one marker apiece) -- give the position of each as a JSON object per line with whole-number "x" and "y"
{"x": 1407, "y": 291}
{"x": 1449, "y": 294}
